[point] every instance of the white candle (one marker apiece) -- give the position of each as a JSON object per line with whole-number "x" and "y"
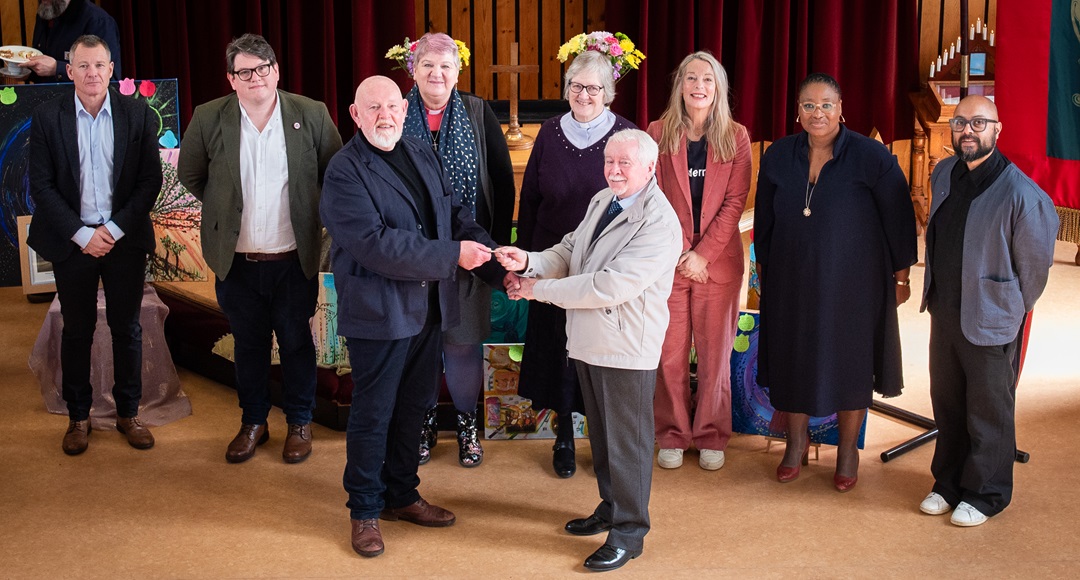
{"x": 939, "y": 63}
{"x": 985, "y": 30}
{"x": 991, "y": 38}
{"x": 952, "y": 51}
{"x": 931, "y": 70}
{"x": 978, "y": 25}
{"x": 957, "y": 43}
{"x": 971, "y": 36}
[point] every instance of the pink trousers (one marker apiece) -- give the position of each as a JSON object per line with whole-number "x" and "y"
{"x": 705, "y": 313}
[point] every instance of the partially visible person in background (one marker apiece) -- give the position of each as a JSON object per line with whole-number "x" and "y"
{"x": 467, "y": 138}
{"x": 704, "y": 170}
{"x": 565, "y": 170}
{"x": 58, "y": 24}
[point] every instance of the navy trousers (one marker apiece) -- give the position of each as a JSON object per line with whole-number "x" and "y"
{"x": 260, "y": 298}
{"x": 392, "y": 385}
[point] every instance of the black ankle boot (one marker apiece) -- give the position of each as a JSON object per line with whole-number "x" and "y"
{"x": 470, "y": 453}
{"x": 429, "y": 435}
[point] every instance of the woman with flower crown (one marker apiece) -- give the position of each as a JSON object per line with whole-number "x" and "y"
{"x": 468, "y": 140}
{"x": 565, "y": 169}
{"x": 704, "y": 169}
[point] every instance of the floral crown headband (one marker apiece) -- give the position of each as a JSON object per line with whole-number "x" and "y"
{"x": 617, "y": 47}
{"x": 405, "y": 52}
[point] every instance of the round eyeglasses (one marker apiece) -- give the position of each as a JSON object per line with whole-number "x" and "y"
{"x": 978, "y": 124}
{"x": 244, "y": 74}
{"x": 591, "y": 89}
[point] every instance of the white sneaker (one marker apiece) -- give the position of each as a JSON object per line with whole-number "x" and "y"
{"x": 934, "y": 505}
{"x": 669, "y": 458}
{"x": 711, "y": 459}
{"x": 965, "y": 515}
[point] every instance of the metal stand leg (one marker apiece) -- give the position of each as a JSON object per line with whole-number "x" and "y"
{"x": 927, "y": 436}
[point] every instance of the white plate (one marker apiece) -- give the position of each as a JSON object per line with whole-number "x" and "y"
{"x": 22, "y": 73}
{"x": 15, "y": 49}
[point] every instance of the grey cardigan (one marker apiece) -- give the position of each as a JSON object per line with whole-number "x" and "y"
{"x": 1008, "y": 251}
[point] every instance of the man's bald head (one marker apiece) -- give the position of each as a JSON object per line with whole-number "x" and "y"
{"x": 379, "y": 111}
{"x": 971, "y": 145}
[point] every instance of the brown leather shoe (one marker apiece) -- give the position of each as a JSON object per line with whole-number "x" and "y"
{"x": 138, "y": 436}
{"x": 243, "y": 445}
{"x": 75, "y": 440}
{"x": 421, "y": 513}
{"x": 297, "y": 444}
{"x": 366, "y": 538}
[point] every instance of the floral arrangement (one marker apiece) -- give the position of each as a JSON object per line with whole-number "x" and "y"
{"x": 618, "y": 47}
{"x": 403, "y": 54}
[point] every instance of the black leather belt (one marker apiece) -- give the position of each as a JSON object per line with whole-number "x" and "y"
{"x": 256, "y": 257}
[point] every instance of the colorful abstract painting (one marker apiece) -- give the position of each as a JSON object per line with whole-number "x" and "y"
{"x": 751, "y": 411}
{"x": 17, "y": 104}
{"x": 176, "y": 216}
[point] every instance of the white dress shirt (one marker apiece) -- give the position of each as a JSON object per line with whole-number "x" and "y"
{"x": 95, "y": 135}
{"x": 265, "y": 224}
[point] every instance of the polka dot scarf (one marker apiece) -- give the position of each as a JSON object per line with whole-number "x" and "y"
{"x": 456, "y": 146}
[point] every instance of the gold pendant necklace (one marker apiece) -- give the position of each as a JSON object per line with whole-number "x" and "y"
{"x": 809, "y": 196}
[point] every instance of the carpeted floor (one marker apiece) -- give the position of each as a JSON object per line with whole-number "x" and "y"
{"x": 180, "y": 511}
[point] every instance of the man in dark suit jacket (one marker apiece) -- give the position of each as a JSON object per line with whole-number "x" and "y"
{"x": 94, "y": 175}
{"x": 255, "y": 158}
{"x": 389, "y": 208}
{"x": 59, "y": 23}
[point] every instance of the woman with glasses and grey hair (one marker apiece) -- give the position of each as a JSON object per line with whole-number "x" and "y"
{"x": 565, "y": 169}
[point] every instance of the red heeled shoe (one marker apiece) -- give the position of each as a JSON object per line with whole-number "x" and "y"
{"x": 844, "y": 484}
{"x": 789, "y": 474}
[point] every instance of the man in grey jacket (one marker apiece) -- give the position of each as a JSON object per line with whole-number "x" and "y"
{"x": 613, "y": 275}
{"x": 989, "y": 247}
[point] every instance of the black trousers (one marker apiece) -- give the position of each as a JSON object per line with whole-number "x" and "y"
{"x": 122, "y": 273}
{"x": 262, "y": 299}
{"x": 392, "y": 385}
{"x": 619, "y": 405}
{"x": 973, "y": 393}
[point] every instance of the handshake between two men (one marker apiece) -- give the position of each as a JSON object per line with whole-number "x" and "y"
{"x": 474, "y": 254}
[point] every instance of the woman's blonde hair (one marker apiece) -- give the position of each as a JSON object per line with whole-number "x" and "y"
{"x": 720, "y": 129}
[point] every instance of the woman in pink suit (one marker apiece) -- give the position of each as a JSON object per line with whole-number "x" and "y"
{"x": 704, "y": 169}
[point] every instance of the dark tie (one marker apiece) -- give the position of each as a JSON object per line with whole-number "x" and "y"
{"x": 613, "y": 210}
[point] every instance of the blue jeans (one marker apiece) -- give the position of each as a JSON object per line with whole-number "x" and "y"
{"x": 392, "y": 385}
{"x": 260, "y": 298}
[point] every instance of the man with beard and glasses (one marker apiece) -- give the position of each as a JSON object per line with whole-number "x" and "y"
{"x": 399, "y": 236}
{"x": 59, "y": 23}
{"x": 989, "y": 247}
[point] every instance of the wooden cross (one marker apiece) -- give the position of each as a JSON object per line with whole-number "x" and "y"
{"x": 515, "y": 139}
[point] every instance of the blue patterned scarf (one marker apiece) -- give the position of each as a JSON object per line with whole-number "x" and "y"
{"x": 455, "y": 147}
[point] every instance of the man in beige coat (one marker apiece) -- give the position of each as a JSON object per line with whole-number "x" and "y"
{"x": 613, "y": 275}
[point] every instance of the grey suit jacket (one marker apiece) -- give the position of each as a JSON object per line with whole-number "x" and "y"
{"x": 1008, "y": 251}
{"x": 209, "y": 167}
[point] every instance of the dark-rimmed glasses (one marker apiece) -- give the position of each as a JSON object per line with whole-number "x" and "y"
{"x": 244, "y": 74}
{"x": 978, "y": 124}
{"x": 591, "y": 89}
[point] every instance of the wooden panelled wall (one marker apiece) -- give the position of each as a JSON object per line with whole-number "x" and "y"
{"x": 488, "y": 27}
{"x": 17, "y": 21}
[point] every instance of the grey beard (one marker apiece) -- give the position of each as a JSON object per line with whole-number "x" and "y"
{"x": 50, "y": 9}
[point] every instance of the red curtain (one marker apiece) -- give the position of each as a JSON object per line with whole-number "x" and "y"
{"x": 324, "y": 47}
{"x": 1021, "y": 93}
{"x": 768, "y": 47}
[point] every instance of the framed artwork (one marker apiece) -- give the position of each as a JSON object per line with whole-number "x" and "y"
{"x": 37, "y": 273}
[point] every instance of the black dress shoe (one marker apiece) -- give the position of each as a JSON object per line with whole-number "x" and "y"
{"x": 609, "y": 557}
{"x": 589, "y": 526}
{"x": 563, "y": 459}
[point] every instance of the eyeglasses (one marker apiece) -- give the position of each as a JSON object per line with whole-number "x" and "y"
{"x": 978, "y": 124}
{"x": 244, "y": 74}
{"x": 809, "y": 108}
{"x": 591, "y": 89}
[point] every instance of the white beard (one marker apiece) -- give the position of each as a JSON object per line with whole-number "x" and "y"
{"x": 50, "y": 9}
{"x": 384, "y": 141}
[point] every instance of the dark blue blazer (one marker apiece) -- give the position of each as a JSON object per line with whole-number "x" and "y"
{"x": 383, "y": 262}
{"x": 54, "y": 174}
